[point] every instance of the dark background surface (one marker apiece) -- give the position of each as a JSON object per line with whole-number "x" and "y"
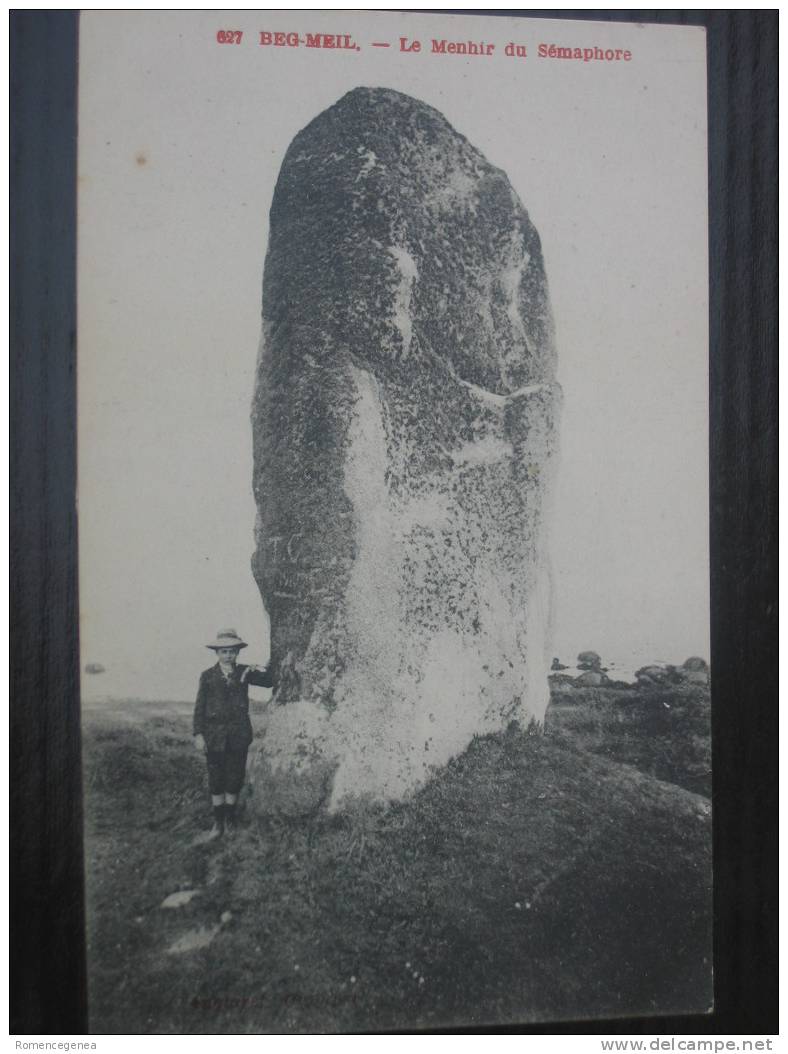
{"x": 48, "y": 990}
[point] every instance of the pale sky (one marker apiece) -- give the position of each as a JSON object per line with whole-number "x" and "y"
{"x": 181, "y": 140}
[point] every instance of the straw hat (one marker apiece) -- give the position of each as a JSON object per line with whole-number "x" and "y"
{"x": 227, "y": 638}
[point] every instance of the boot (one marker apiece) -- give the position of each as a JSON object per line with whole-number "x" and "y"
{"x": 218, "y": 823}
{"x": 230, "y": 819}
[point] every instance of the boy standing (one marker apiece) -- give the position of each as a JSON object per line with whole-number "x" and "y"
{"x": 222, "y": 729}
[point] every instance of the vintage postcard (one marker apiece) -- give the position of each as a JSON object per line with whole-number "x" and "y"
{"x": 393, "y": 516}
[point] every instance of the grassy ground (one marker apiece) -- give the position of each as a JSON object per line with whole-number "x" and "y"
{"x": 531, "y": 880}
{"x": 663, "y": 732}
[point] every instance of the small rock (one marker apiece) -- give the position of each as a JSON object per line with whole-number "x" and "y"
{"x": 226, "y": 916}
{"x": 656, "y": 673}
{"x": 695, "y": 670}
{"x": 517, "y": 904}
{"x": 352, "y": 980}
{"x": 697, "y": 664}
{"x": 193, "y": 941}
{"x": 591, "y": 679}
{"x": 177, "y": 900}
{"x": 588, "y": 660}
{"x": 694, "y": 676}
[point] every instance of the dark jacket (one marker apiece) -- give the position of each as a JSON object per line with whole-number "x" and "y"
{"x": 221, "y": 713}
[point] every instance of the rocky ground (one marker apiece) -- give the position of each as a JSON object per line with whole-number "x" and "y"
{"x": 537, "y": 877}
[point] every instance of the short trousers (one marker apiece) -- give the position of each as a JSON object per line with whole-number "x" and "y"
{"x": 226, "y": 770}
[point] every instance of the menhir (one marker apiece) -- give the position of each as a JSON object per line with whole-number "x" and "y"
{"x": 405, "y": 421}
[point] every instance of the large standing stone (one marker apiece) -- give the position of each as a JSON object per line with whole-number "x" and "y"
{"x": 404, "y": 428}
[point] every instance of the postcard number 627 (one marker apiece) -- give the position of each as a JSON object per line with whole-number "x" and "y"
{"x": 229, "y": 36}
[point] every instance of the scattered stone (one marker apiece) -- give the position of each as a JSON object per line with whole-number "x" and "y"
{"x": 226, "y": 917}
{"x": 193, "y": 941}
{"x": 405, "y": 423}
{"x": 562, "y": 680}
{"x": 179, "y": 899}
{"x": 591, "y": 679}
{"x": 695, "y": 671}
{"x": 655, "y": 674}
{"x": 209, "y": 837}
{"x": 695, "y": 663}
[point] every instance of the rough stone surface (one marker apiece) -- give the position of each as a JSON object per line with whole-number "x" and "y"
{"x": 404, "y": 420}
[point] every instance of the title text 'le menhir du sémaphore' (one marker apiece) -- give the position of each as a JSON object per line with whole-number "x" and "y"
{"x": 437, "y": 46}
